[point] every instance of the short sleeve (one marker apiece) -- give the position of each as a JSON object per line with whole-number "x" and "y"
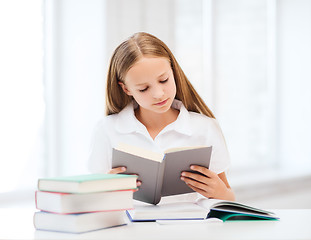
{"x": 220, "y": 159}
{"x": 100, "y": 150}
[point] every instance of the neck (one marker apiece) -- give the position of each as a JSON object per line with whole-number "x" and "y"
{"x": 155, "y": 122}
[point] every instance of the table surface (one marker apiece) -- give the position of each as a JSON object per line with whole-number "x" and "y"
{"x": 293, "y": 224}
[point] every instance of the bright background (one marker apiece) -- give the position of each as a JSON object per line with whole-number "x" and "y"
{"x": 249, "y": 59}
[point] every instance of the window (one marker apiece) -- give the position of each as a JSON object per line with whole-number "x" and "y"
{"x": 222, "y": 46}
{"x": 243, "y": 90}
{"x": 21, "y": 93}
{"x": 250, "y": 60}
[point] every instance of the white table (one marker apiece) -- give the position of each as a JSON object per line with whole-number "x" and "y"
{"x": 294, "y": 224}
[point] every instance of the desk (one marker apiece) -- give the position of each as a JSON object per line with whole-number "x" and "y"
{"x": 294, "y": 224}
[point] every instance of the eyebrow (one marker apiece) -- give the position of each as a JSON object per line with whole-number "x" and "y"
{"x": 140, "y": 84}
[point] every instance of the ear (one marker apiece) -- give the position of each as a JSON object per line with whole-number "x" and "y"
{"x": 124, "y": 88}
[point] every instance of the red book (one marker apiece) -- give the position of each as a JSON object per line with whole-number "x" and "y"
{"x": 67, "y": 203}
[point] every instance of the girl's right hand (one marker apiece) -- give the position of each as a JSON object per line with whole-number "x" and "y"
{"x": 121, "y": 170}
{"x": 117, "y": 170}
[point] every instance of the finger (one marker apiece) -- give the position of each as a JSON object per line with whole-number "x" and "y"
{"x": 117, "y": 170}
{"x": 138, "y": 183}
{"x": 203, "y": 170}
{"x": 197, "y": 177}
{"x": 202, "y": 192}
{"x": 194, "y": 183}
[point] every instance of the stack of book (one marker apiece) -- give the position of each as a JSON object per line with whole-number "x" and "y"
{"x": 83, "y": 203}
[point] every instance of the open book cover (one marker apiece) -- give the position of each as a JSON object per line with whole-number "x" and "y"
{"x": 201, "y": 209}
{"x": 160, "y": 173}
{"x": 230, "y": 210}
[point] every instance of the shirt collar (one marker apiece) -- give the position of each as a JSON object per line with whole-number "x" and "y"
{"x": 127, "y": 122}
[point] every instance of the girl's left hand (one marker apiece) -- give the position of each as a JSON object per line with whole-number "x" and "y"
{"x": 209, "y": 184}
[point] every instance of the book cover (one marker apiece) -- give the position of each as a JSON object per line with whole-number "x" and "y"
{"x": 160, "y": 173}
{"x": 231, "y": 210}
{"x": 88, "y": 183}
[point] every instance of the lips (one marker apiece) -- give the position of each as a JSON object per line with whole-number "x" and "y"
{"x": 162, "y": 103}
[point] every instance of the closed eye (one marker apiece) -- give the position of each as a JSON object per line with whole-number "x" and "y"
{"x": 164, "y": 81}
{"x": 143, "y": 90}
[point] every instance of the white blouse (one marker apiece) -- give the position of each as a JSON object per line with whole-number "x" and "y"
{"x": 189, "y": 129}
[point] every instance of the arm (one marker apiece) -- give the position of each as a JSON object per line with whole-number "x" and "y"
{"x": 210, "y": 184}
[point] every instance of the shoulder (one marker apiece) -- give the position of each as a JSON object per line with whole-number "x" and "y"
{"x": 203, "y": 125}
{"x": 105, "y": 123}
{"x": 201, "y": 120}
{"x": 113, "y": 119}
{"x": 197, "y": 123}
{"x": 121, "y": 122}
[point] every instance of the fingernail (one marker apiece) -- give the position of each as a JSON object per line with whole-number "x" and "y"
{"x": 123, "y": 168}
{"x": 192, "y": 167}
{"x": 182, "y": 178}
{"x": 183, "y": 174}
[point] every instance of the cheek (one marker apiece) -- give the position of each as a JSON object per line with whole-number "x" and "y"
{"x": 141, "y": 97}
{"x": 171, "y": 88}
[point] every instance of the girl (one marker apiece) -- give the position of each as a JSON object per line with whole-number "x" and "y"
{"x": 150, "y": 103}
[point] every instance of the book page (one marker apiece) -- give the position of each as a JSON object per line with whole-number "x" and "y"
{"x": 209, "y": 203}
{"x": 177, "y": 149}
{"x": 185, "y": 210}
{"x": 230, "y": 206}
{"x": 158, "y": 157}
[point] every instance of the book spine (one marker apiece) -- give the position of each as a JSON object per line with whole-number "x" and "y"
{"x": 82, "y": 212}
{"x": 36, "y": 199}
{"x": 159, "y": 183}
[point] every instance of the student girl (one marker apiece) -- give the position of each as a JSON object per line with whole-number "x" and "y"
{"x": 150, "y": 103}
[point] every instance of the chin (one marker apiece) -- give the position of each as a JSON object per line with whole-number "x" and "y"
{"x": 164, "y": 109}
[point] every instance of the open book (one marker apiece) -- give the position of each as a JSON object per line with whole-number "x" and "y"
{"x": 160, "y": 173}
{"x": 230, "y": 210}
{"x": 201, "y": 209}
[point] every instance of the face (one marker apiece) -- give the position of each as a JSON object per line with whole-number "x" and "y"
{"x": 151, "y": 83}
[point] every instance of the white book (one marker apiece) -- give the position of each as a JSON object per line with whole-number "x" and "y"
{"x": 66, "y": 203}
{"x": 78, "y": 223}
{"x": 168, "y": 211}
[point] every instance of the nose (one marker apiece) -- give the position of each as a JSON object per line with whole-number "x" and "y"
{"x": 158, "y": 92}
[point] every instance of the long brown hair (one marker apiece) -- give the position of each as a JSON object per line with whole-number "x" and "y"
{"x": 127, "y": 54}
